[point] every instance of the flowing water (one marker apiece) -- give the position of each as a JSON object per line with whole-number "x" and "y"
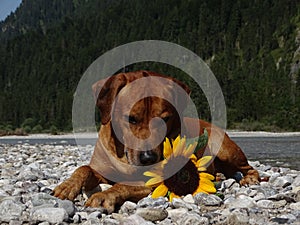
{"x": 277, "y": 150}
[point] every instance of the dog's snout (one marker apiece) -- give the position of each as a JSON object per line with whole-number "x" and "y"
{"x": 148, "y": 157}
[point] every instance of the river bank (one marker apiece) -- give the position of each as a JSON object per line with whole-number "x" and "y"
{"x": 276, "y": 149}
{"x": 30, "y": 172}
{"x": 231, "y": 133}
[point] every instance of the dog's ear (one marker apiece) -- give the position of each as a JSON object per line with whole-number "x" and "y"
{"x": 181, "y": 98}
{"x": 105, "y": 92}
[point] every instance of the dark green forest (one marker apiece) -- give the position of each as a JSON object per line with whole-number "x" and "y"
{"x": 252, "y": 47}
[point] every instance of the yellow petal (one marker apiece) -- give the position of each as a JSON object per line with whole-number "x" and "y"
{"x": 199, "y": 189}
{"x": 210, "y": 188}
{"x": 207, "y": 176}
{"x": 179, "y": 148}
{"x": 150, "y": 174}
{"x": 154, "y": 181}
{"x": 194, "y": 159}
{"x": 202, "y": 169}
{"x": 176, "y": 141}
{"x": 203, "y": 161}
{"x": 207, "y": 182}
{"x": 167, "y": 148}
{"x": 160, "y": 191}
{"x": 190, "y": 150}
{"x": 173, "y": 195}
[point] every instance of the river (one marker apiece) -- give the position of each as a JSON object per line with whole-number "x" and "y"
{"x": 273, "y": 149}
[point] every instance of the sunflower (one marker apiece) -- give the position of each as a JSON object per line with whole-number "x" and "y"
{"x": 190, "y": 179}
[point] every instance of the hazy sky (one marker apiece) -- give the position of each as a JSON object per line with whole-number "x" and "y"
{"x": 7, "y": 6}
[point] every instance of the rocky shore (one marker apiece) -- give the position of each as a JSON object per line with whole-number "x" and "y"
{"x": 30, "y": 172}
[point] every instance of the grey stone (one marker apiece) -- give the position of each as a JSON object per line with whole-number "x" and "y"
{"x": 258, "y": 216}
{"x": 176, "y": 214}
{"x": 273, "y": 177}
{"x": 153, "y": 202}
{"x": 283, "y": 181}
{"x": 128, "y": 207}
{"x": 247, "y": 191}
{"x": 289, "y": 197}
{"x": 279, "y": 204}
{"x": 189, "y": 199}
{"x": 167, "y": 221}
{"x": 15, "y": 222}
{"x": 160, "y": 202}
{"x": 105, "y": 221}
{"x": 51, "y": 215}
{"x": 77, "y": 218}
{"x": 94, "y": 215}
{"x": 238, "y": 217}
{"x": 259, "y": 196}
{"x": 152, "y": 214}
{"x": 43, "y": 199}
{"x": 207, "y": 200}
{"x": 285, "y": 219}
{"x": 68, "y": 206}
{"x": 291, "y": 218}
{"x": 10, "y": 210}
{"x": 228, "y": 183}
{"x": 119, "y": 216}
{"x": 267, "y": 191}
{"x": 267, "y": 204}
{"x": 44, "y": 223}
{"x": 145, "y": 202}
{"x": 241, "y": 201}
{"x": 296, "y": 182}
{"x": 30, "y": 172}
{"x": 96, "y": 222}
{"x": 193, "y": 219}
{"x": 295, "y": 206}
{"x": 81, "y": 215}
{"x": 279, "y": 220}
{"x": 135, "y": 220}
{"x": 179, "y": 203}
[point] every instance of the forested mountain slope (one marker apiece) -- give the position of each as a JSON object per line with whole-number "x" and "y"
{"x": 253, "y": 48}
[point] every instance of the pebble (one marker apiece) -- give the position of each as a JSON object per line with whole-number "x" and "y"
{"x": 180, "y": 203}
{"x": 30, "y": 172}
{"x": 51, "y": 215}
{"x": 152, "y": 214}
{"x": 128, "y": 207}
{"x": 10, "y": 210}
{"x": 207, "y": 200}
{"x": 176, "y": 214}
{"x": 193, "y": 219}
{"x": 240, "y": 201}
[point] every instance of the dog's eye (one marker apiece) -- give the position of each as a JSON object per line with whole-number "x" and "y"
{"x": 166, "y": 119}
{"x": 131, "y": 119}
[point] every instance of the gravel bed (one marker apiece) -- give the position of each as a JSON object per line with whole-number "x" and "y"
{"x": 30, "y": 172}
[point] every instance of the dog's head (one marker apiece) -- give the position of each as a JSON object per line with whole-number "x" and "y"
{"x": 142, "y": 114}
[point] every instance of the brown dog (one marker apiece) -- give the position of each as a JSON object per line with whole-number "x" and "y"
{"x": 131, "y": 135}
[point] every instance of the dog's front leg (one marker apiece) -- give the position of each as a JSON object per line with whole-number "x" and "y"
{"x": 83, "y": 177}
{"x": 117, "y": 195}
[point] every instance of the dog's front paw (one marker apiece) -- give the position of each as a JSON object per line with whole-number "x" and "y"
{"x": 69, "y": 189}
{"x": 106, "y": 199}
{"x": 252, "y": 177}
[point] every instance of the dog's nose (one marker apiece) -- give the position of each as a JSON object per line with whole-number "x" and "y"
{"x": 148, "y": 157}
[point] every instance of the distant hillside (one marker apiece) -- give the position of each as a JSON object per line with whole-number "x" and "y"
{"x": 252, "y": 48}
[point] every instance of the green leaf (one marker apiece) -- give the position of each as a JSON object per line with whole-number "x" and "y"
{"x": 202, "y": 141}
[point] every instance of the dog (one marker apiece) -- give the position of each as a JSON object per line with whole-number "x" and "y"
{"x": 115, "y": 152}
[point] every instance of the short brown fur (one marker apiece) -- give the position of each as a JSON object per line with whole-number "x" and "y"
{"x": 229, "y": 159}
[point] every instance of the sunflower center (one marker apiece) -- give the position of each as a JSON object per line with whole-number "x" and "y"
{"x": 183, "y": 176}
{"x": 185, "y": 181}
